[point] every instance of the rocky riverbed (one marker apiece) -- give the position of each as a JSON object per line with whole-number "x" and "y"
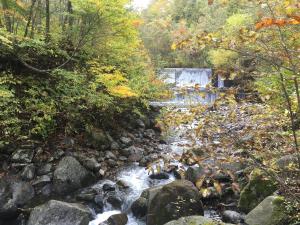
{"x": 135, "y": 177}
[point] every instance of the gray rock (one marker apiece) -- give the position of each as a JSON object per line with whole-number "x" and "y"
{"x": 177, "y": 199}
{"x": 28, "y": 172}
{"x": 229, "y": 216}
{"x": 91, "y": 164}
{"x": 23, "y": 156}
{"x": 44, "y": 169}
{"x": 71, "y": 175}
{"x": 131, "y": 151}
{"x": 60, "y": 213}
{"x": 140, "y": 124}
{"x": 118, "y": 219}
{"x": 114, "y": 146}
{"x": 196, "y": 220}
{"x": 126, "y": 141}
{"x": 139, "y": 207}
{"x": 42, "y": 180}
{"x": 108, "y": 187}
{"x": 270, "y": 211}
{"x": 14, "y": 194}
{"x": 110, "y": 155}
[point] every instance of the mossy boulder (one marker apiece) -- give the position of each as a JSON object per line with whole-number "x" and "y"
{"x": 270, "y": 211}
{"x": 195, "y": 220}
{"x": 177, "y": 199}
{"x": 258, "y": 188}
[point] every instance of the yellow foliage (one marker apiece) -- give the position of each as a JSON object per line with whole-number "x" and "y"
{"x": 112, "y": 79}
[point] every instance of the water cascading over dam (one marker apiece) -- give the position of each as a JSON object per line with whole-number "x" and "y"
{"x": 189, "y": 86}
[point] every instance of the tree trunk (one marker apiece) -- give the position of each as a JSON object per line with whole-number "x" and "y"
{"x": 47, "y": 33}
{"x": 29, "y": 17}
{"x": 7, "y": 18}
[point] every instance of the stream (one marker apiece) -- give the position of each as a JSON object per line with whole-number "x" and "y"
{"x": 136, "y": 177}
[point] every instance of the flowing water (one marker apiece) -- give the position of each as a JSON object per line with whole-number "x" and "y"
{"x": 136, "y": 177}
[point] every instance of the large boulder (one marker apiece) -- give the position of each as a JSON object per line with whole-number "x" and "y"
{"x": 258, "y": 188}
{"x": 194, "y": 173}
{"x": 172, "y": 201}
{"x": 60, "y": 213}
{"x": 71, "y": 175}
{"x": 195, "y": 220}
{"x": 14, "y": 194}
{"x": 270, "y": 211}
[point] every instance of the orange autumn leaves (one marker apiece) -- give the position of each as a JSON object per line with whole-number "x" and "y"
{"x": 268, "y": 22}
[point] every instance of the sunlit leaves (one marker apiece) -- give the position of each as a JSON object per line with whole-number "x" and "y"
{"x": 268, "y": 22}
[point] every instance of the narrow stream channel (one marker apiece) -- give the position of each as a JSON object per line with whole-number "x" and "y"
{"x": 136, "y": 177}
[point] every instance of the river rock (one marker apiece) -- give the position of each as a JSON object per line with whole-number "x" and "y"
{"x": 71, "y": 175}
{"x": 13, "y": 195}
{"x": 108, "y": 187}
{"x": 118, "y": 219}
{"x": 172, "y": 201}
{"x": 60, "y": 213}
{"x": 159, "y": 176}
{"x": 229, "y": 216}
{"x": 258, "y": 188}
{"x": 270, "y": 211}
{"x": 23, "y": 156}
{"x": 126, "y": 141}
{"x": 28, "y": 172}
{"x": 132, "y": 150}
{"x": 196, "y": 220}
{"x": 44, "y": 169}
{"x": 139, "y": 207}
{"x": 114, "y": 200}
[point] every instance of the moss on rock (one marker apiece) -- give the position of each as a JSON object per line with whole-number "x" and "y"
{"x": 258, "y": 188}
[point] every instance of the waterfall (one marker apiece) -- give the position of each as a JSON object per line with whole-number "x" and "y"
{"x": 187, "y": 77}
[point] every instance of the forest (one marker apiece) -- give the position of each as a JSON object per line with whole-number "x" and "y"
{"x": 180, "y": 112}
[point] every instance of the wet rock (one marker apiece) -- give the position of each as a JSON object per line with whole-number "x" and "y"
{"x": 159, "y": 176}
{"x": 23, "y": 156}
{"x": 58, "y": 213}
{"x": 135, "y": 157}
{"x": 99, "y": 200}
{"x": 115, "y": 201}
{"x": 194, "y": 173}
{"x": 229, "y": 216}
{"x": 271, "y": 211}
{"x": 87, "y": 195}
{"x": 44, "y": 169}
{"x": 139, "y": 207}
{"x": 71, "y": 175}
{"x": 122, "y": 184}
{"x": 172, "y": 201}
{"x": 118, "y": 219}
{"x": 222, "y": 177}
{"x": 108, "y": 187}
{"x": 258, "y": 188}
{"x": 195, "y": 220}
{"x": 28, "y": 172}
